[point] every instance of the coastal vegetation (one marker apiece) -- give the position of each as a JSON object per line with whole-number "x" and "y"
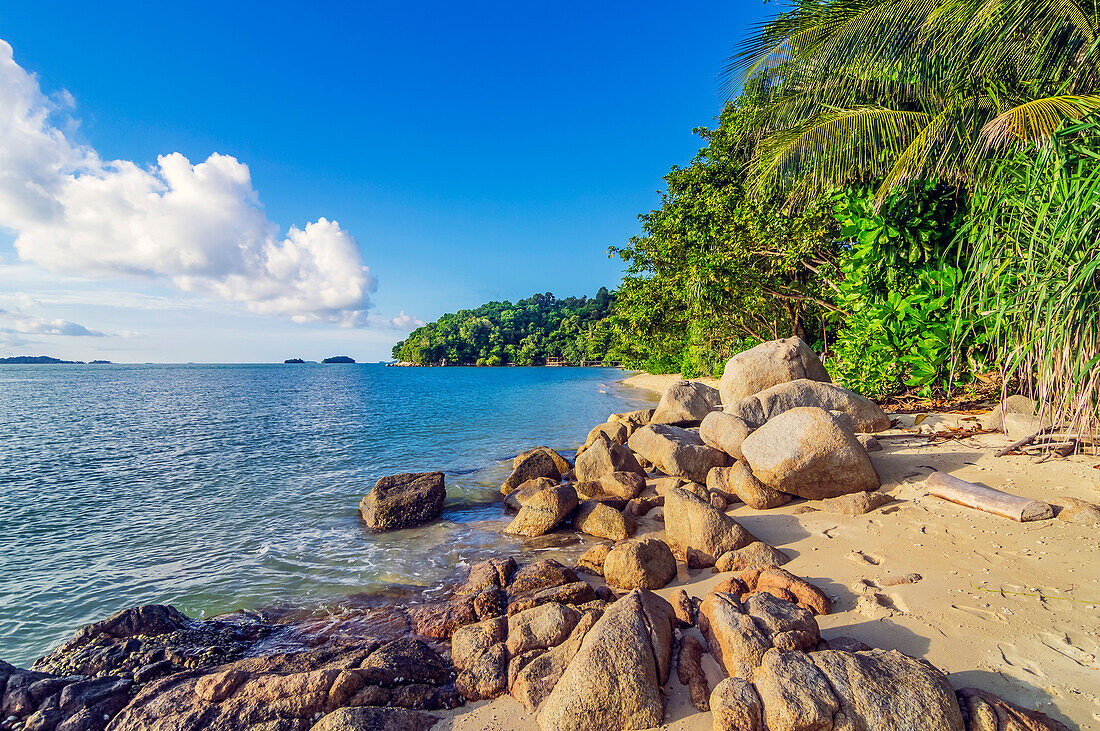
{"x": 529, "y": 332}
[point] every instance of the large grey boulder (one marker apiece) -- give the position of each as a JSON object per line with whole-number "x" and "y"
{"x": 403, "y": 501}
{"x": 694, "y": 525}
{"x": 676, "y": 452}
{"x": 725, "y": 432}
{"x": 776, "y": 361}
{"x": 604, "y": 457}
{"x": 805, "y": 452}
{"x": 614, "y": 681}
{"x": 866, "y": 416}
{"x": 686, "y": 403}
{"x": 643, "y": 563}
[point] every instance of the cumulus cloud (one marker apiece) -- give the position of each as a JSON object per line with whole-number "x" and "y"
{"x": 406, "y": 322}
{"x": 199, "y": 226}
{"x": 28, "y": 325}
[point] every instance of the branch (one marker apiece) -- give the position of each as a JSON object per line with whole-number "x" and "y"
{"x": 805, "y": 298}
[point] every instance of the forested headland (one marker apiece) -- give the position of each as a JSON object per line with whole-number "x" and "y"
{"x": 912, "y": 188}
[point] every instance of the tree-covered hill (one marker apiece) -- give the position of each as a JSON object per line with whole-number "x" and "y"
{"x": 529, "y": 332}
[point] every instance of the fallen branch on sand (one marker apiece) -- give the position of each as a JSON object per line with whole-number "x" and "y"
{"x": 987, "y": 499}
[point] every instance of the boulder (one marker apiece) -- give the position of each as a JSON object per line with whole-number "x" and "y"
{"x": 756, "y": 553}
{"x": 613, "y": 430}
{"x": 984, "y": 711}
{"x": 1079, "y": 511}
{"x": 865, "y": 414}
{"x": 595, "y": 491}
{"x": 856, "y": 503}
{"x": 403, "y": 501}
{"x": 663, "y": 484}
{"x": 775, "y": 579}
{"x": 489, "y": 573}
{"x": 402, "y": 662}
{"x": 738, "y": 482}
{"x": 539, "y": 575}
{"x": 599, "y": 520}
{"x": 1021, "y": 426}
{"x": 542, "y": 511}
{"x": 689, "y": 671}
{"x": 439, "y": 620}
{"x": 692, "y": 523}
{"x": 804, "y": 452}
{"x": 486, "y": 676}
{"x": 614, "y": 681}
{"x": 640, "y": 506}
{"x": 684, "y": 608}
{"x": 591, "y": 561}
{"x": 796, "y": 694}
{"x": 676, "y": 452}
{"x": 644, "y": 563}
{"x": 633, "y": 420}
{"x": 725, "y": 432}
{"x": 575, "y": 593}
{"x": 869, "y": 443}
{"x": 532, "y": 465}
{"x": 735, "y": 706}
{"x": 540, "y": 627}
{"x": 375, "y": 719}
{"x": 737, "y": 643}
{"x": 534, "y": 681}
{"x": 560, "y": 462}
{"x": 686, "y": 403}
{"x": 604, "y": 457}
{"x": 766, "y": 365}
{"x": 470, "y": 641}
{"x": 517, "y": 498}
{"x": 994, "y": 420}
{"x": 625, "y": 485}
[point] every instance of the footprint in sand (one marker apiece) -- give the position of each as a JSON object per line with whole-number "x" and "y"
{"x": 1062, "y": 645}
{"x": 861, "y": 557}
{"x": 978, "y": 612}
{"x": 1012, "y": 657}
{"x": 876, "y": 604}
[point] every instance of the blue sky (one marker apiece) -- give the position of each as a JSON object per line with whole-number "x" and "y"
{"x": 470, "y": 151}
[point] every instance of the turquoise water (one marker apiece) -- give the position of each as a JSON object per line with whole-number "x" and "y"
{"x": 224, "y": 487}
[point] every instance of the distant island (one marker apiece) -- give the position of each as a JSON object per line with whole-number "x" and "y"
{"x": 293, "y": 360}
{"x": 38, "y": 360}
{"x": 339, "y": 359}
{"x": 539, "y": 330}
{"x": 100, "y": 362}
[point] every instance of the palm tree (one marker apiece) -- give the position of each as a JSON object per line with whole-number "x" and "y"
{"x": 893, "y": 91}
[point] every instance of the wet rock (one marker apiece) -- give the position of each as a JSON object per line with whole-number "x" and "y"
{"x": 403, "y": 501}
{"x": 486, "y": 676}
{"x": 602, "y": 521}
{"x": 542, "y": 511}
{"x": 771, "y": 578}
{"x": 439, "y": 620}
{"x": 738, "y": 482}
{"x": 689, "y": 671}
{"x": 539, "y": 575}
{"x": 766, "y": 365}
{"x": 402, "y": 662}
{"x": 614, "y": 681}
{"x": 532, "y": 465}
{"x": 691, "y": 523}
{"x": 375, "y": 719}
{"x": 517, "y": 498}
{"x": 485, "y": 574}
{"x": 576, "y": 593}
{"x": 805, "y": 452}
{"x": 984, "y": 711}
{"x": 887, "y": 691}
{"x": 686, "y": 403}
{"x": 866, "y": 416}
{"x": 540, "y": 627}
{"x": 534, "y": 681}
{"x": 735, "y": 706}
{"x": 677, "y": 452}
{"x": 603, "y": 457}
{"x": 856, "y": 503}
{"x": 470, "y": 641}
{"x": 756, "y": 553}
{"x": 591, "y": 561}
{"x": 613, "y": 430}
{"x": 644, "y": 563}
{"x": 725, "y": 432}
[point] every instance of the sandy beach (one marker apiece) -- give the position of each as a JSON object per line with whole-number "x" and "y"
{"x": 1012, "y": 608}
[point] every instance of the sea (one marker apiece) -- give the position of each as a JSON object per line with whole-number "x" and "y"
{"x": 220, "y": 488}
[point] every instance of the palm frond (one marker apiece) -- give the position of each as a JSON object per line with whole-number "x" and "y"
{"x": 1036, "y": 121}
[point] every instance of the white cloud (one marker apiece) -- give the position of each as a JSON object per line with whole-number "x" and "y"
{"x": 406, "y": 322}
{"x": 198, "y": 226}
{"x": 29, "y": 325}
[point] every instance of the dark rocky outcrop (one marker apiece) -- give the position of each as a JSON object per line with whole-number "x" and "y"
{"x": 404, "y": 501}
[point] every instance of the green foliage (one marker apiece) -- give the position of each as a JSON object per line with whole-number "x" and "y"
{"x": 1033, "y": 283}
{"x": 714, "y": 268}
{"x": 526, "y": 333}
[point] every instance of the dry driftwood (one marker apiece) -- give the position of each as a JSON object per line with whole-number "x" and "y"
{"x": 1021, "y": 509}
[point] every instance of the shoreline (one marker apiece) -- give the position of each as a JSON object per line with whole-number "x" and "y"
{"x": 972, "y": 610}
